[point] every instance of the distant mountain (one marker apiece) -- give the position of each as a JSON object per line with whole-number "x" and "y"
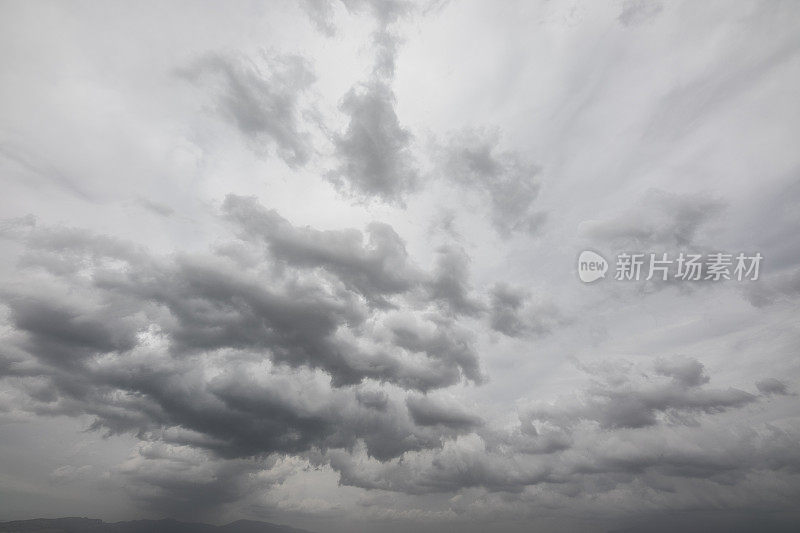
{"x": 91, "y": 525}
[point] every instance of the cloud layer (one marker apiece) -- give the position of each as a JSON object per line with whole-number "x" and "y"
{"x": 315, "y": 264}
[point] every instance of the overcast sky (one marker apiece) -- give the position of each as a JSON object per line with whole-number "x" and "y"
{"x": 315, "y": 263}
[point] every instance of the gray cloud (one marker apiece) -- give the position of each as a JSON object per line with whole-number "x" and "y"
{"x": 430, "y": 412}
{"x": 62, "y": 334}
{"x": 610, "y": 440}
{"x": 450, "y": 470}
{"x": 445, "y": 342}
{"x": 473, "y": 160}
{"x": 637, "y": 12}
{"x": 156, "y": 207}
{"x": 449, "y": 283}
{"x": 514, "y": 314}
{"x": 376, "y": 269}
{"x": 375, "y": 399}
{"x": 128, "y": 344}
{"x": 184, "y": 483}
{"x": 780, "y": 287}
{"x": 390, "y": 377}
{"x": 506, "y": 304}
{"x": 262, "y": 101}
{"x": 620, "y": 402}
{"x": 385, "y": 41}
{"x": 686, "y": 371}
{"x": 385, "y": 12}
{"x": 772, "y": 387}
{"x": 374, "y": 150}
{"x": 189, "y": 372}
{"x": 321, "y": 14}
{"x": 660, "y": 218}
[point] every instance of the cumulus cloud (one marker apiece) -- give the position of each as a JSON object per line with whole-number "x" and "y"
{"x": 195, "y": 352}
{"x": 628, "y": 429}
{"x": 378, "y": 374}
{"x": 244, "y": 362}
{"x": 377, "y": 268}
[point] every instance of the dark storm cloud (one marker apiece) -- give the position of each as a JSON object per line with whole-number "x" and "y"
{"x": 375, "y": 399}
{"x": 182, "y": 483}
{"x": 665, "y": 466}
{"x": 474, "y": 161}
{"x": 62, "y": 333}
{"x": 131, "y": 353}
{"x": 464, "y": 469}
{"x": 431, "y": 412}
{"x": 240, "y": 414}
{"x": 601, "y": 463}
{"x": 611, "y": 439}
{"x": 444, "y": 342}
{"x": 449, "y": 470}
{"x": 212, "y": 306}
{"x": 660, "y": 218}
{"x": 374, "y": 149}
{"x": 129, "y": 341}
{"x": 528, "y": 439}
{"x": 250, "y": 375}
{"x": 236, "y": 414}
{"x": 261, "y": 98}
{"x": 377, "y": 268}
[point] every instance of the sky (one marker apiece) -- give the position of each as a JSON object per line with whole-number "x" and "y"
{"x": 316, "y": 263}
